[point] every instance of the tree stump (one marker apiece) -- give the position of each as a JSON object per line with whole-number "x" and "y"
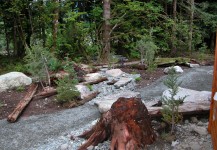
{"x": 127, "y": 124}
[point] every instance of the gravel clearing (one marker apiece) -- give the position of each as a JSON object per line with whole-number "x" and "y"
{"x": 58, "y": 131}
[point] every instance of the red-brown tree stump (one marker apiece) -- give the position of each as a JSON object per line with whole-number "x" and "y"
{"x": 127, "y": 124}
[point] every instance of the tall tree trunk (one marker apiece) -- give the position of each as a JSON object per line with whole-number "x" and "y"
{"x": 7, "y": 38}
{"x": 55, "y": 24}
{"x": 15, "y": 37}
{"x": 106, "y": 31}
{"x": 191, "y": 2}
{"x": 174, "y": 27}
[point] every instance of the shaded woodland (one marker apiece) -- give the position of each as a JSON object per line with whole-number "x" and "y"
{"x": 87, "y": 31}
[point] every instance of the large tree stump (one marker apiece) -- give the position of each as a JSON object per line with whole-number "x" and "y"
{"x": 127, "y": 124}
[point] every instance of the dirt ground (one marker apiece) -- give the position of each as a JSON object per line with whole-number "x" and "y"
{"x": 11, "y": 98}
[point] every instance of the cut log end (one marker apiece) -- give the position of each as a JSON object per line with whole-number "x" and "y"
{"x": 127, "y": 124}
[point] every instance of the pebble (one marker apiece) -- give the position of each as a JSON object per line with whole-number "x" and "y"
{"x": 194, "y": 119}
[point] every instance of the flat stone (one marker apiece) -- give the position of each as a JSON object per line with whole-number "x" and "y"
{"x": 114, "y": 72}
{"x": 12, "y": 80}
{"x": 122, "y": 82}
{"x": 192, "y": 95}
{"x": 92, "y": 76}
{"x": 199, "y": 130}
{"x": 105, "y": 103}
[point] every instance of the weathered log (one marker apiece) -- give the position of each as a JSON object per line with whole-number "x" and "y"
{"x": 84, "y": 100}
{"x": 127, "y": 124}
{"x": 95, "y": 81}
{"x": 23, "y": 103}
{"x": 187, "y": 108}
{"x": 118, "y": 64}
{"x": 45, "y": 93}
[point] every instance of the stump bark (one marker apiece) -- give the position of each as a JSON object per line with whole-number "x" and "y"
{"x": 127, "y": 124}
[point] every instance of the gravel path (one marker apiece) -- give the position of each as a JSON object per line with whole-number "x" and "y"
{"x": 53, "y": 131}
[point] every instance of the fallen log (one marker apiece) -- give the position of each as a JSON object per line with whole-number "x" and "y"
{"x": 23, "y": 103}
{"x": 127, "y": 124}
{"x": 118, "y": 65}
{"x": 187, "y": 108}
{"x": 84, "y": 100}
{"x": 94, "y": 81}
{"x": 45, "y": 93}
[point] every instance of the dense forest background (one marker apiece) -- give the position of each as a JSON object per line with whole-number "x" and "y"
{"x": 90, "y": 30}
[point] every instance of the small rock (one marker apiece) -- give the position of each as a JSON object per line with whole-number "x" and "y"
{"x": 195, "y": 146}
{"x": 186, "y": 121}
{"x": 200, "y": 123}
{"x": 92, "y": 76}
{"x": 194, "y": 119}
{"x": 199, "y": 130}
{"x": 64, "y": 147}
{"x": 174, "y": 143}
{"x": 178, "y": 69}
{"x": 122, "y": 82}
{"x": 114, "y": 72}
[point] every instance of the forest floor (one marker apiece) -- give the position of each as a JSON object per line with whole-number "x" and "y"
{"x": 11, "y": 98}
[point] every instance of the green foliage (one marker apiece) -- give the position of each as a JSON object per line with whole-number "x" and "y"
{"x": 170, "y": 104}
{"x": 37, "y": 62}
{"x": 20, "y": 88}
{"x": 147, "y": 49}
{"x": 66, "y": 86}
{"x": 138, "y": 79}
{"x": 90, "y": 87}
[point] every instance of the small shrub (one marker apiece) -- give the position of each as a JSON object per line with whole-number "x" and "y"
{"x": 170, "y": 104}
{"x": 138, "y": 79}
{"x": 66, "y": 90}
{"x": 66, "y": 86}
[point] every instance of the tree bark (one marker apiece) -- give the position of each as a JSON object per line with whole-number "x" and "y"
{"x": 191, "y": 2}
{"x": 127, "y": 124}
{"x": 106, "y": 31}
{"x": 174, "y": 49}
{"x": 55, "y": 24}
{"x": 23, "y": 103}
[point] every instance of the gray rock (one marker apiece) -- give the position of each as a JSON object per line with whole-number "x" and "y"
{"x": 92, "y": 76}
{"x": 114, "y": 72}
{"x": 64, "y": 147}
{"x": 122, "y": 82}
{"x": 12, "y": 80}
{"x": 105, "y": 103}
{"x": 178, "y": 69}
{"x": 192, "y": 95}
{"x": 193, "y": 65}
{"x": 186, "y": 121}
{"x": 84, "y": 90}
{"x": 199, "y": 130}
{"x": 194, "y": 119}
{"x": 195, "y": 146}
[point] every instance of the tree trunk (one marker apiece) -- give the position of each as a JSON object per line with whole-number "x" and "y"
{"x": 106, "y": 31}
{"x": 127, "y": 124}
{"x": 15, "y": 37}
{"x": 55, "y": 25}
{"x": 7, "y": 38}
{"x": 191, "y": 2}
{"x": 174, "y": 27}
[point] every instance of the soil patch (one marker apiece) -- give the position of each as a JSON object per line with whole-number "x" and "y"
{"x": 11, "y": 98}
